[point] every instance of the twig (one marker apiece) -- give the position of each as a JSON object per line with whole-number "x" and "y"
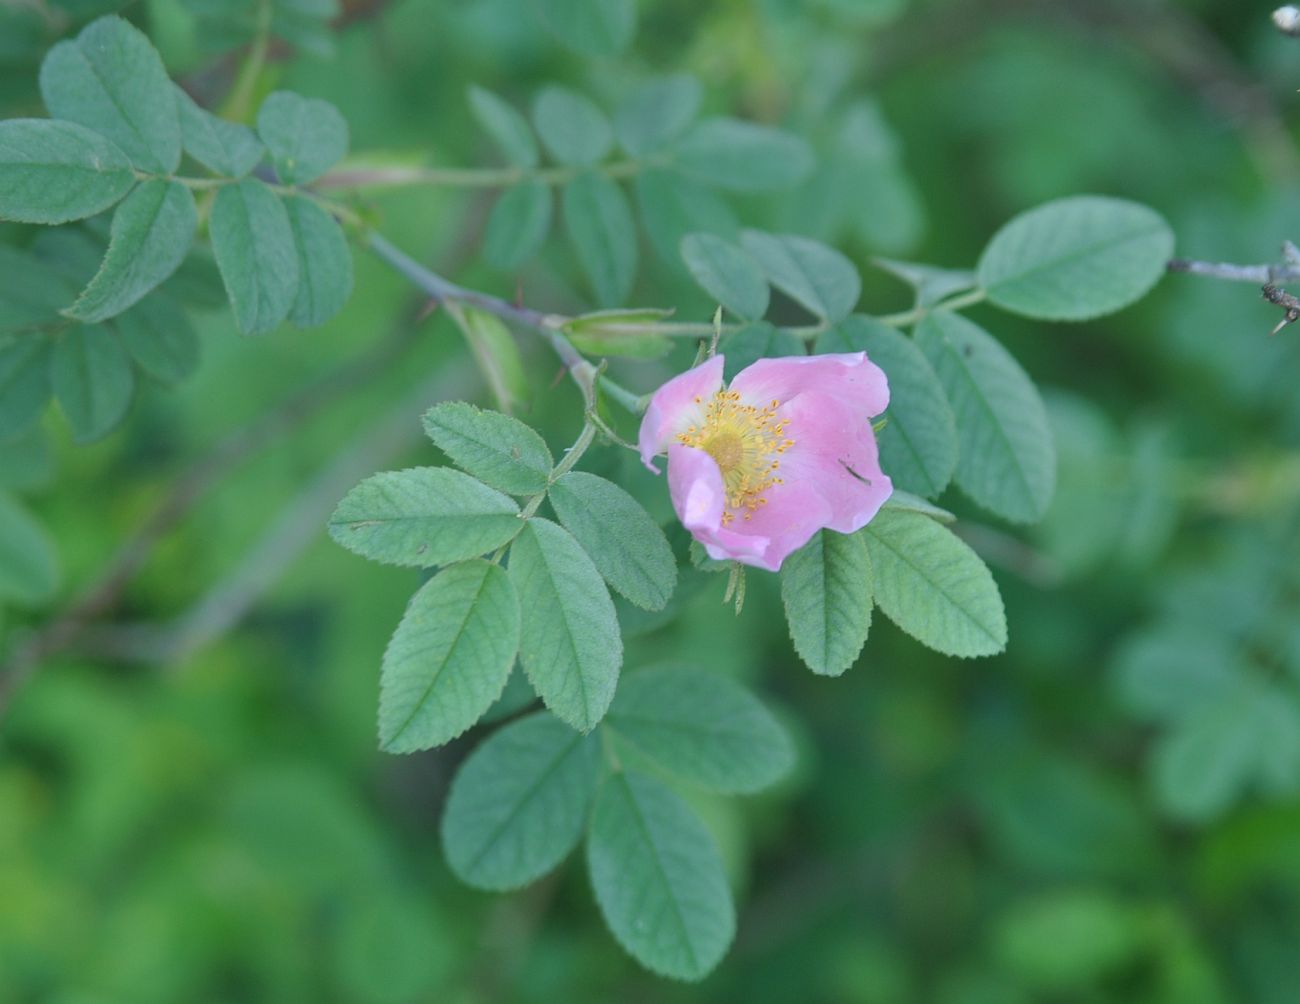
{"x": 1255, "y": 274}
{"x": 546, "y": 325}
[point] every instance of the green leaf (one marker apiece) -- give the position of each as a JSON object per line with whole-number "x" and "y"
{"x": 29, "y": 571}
{"x": 755, "y": 341}
{"x": 305, "y": 136}
{"x": 449, "y": 658}
{"x": 518, "y": 225}
{"x": 918, "y": 445}
{"x": 1172, "y": 671}
{"x": 1204, "y": 763}
{"x": 908, "y": 502}
{"x": 324, "y": 263}
{"x": 92, "y": 379}
{"x": 728, "y": 274}
{"x": 26, "y": 461}
{"x": 160, "y": 338}
{"x": 702, "y": 727}
{"x": 594, "y": 27}
{"x": 509, "y": 130}
{"x": 423, "y": 516}
{"x": 31, "y": 293}
{"x": 55, "y": 172}
{"x": 603, "y": 236}
{"x": 658, "y": 878}
{"x": 826, "y": 588}
{"x": 152, "y": 231}
{"x": 657, "y": 112}
{"x": 573, "y": 129}
{"x": 518, "y": 805}
{"x": 570, "y": 645}
{"x": 1076, "y": 258}
{"x": 24, "y": 380}
{"x": 227, "y": 148}
{"x": 809, "y": 272}
{"x": 495, "y": 352}
{"x": 624, "y": 543}
{"x": 742, "y": 156}
{"x": 257, "y": 255}
{"x": 1006, "y": 461}
{"x": 933, "y": 586}
{"x": 672, "y": 205}
{"x": 497, "y": 449}
{"x": 112, "y": 80}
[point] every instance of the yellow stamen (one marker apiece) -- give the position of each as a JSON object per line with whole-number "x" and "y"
{"x": 746, "y": 441}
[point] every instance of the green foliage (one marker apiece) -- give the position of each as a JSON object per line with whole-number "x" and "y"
{"x": 29, "y": 571}
{"x": 756, "y": 341}
{"x": 110, "y": 79}
{"x": 573, "y": 130}
{"x": 497, "y": 449}
{"x": 324, "y": 263}
{"x": 518, "y": 805}
{"x": 449, "y": 658}
{"x": 496, "y": 354}
{"x": 1153, "y": 827}
{"x": 933, "y": 586}
{"x": 1076, "y": 258}
{"x": 595, "y": 27}
{"x": 826, "y": 588}
{"x": 671, "y": 205}
{"x": 151, "y": 234}
{"x": 918, "y": 445}
{"x": 160, "y": 338}
{"x": 304, "y": 136}
{"x": 657, "y": 112}
{"x": 254, "y": 244}
{"x": 509, "y": 130}
{"x": 728, "y": 274}
{"x": 423, "y": 517}
{"x": 741, "y": 156}
{"x": 812, "y": 274}
{"x": 600, "y": 228}
{"x": 658, "y": 878}
{"x": 91, "y": 376}
{"x": 570, "y": 645}
{"x": 1006, "y": 460}
{"x": 703, "y": 728}
{"x": 24, "y": 380}
{"x": 619, "y": 536}
{"x": 226, "y": 148}
{"x": 54, "y": 172}
{"x": 518, "y": 225}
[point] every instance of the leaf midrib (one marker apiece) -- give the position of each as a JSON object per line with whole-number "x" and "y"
{"x": 935, "y": 585}
{"x": 451, "y": 648}
{"x": 659, "y": 867}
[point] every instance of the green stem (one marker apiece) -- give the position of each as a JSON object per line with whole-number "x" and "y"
{"x": 469, "y": 177}
{"x": 909, "y": 317}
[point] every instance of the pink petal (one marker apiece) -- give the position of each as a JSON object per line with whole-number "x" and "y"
{"x": 835, "y": 452}
{"x": 795, "y": 511}
{"x": 848, "y": 376}
{"x": 673, "y": 408}
{"x": 695, "y": 484}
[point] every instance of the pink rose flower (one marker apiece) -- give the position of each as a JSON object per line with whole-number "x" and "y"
{"x": 755, "y": 469}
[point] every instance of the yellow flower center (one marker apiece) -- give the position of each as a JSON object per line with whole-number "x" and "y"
{"x": 746, "y": 442}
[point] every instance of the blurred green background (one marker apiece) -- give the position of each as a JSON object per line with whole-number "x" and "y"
{"x": 192, "y": 807}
